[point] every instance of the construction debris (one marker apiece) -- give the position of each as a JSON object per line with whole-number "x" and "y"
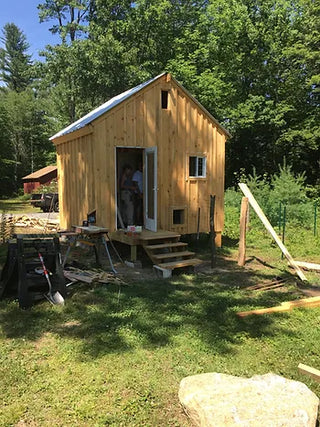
{"x": 88, "y": 276}
{"x": 312, "y": 372}
{"x": 25, "y": 221}
{"x": 267, "y": 286}
{"x": 285, "y": 306}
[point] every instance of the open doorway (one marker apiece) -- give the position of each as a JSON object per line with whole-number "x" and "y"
{"x": 129, "y": 175}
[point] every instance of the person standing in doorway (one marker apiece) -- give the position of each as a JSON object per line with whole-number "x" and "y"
{"x": 138, "y": 181}
{"x": 128, "y": 189}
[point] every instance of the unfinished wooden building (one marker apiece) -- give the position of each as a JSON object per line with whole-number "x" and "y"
{"x": 181, "y": 147}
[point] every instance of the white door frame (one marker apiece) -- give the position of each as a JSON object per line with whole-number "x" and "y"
{"x": 150, "y": 223}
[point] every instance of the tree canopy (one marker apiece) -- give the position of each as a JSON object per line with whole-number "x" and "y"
{"x": 254, "y": 64}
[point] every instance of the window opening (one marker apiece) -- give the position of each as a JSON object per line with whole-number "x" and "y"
{"x": 178, "y": 216}
{"x": 197, "y": 166}
{"x": 164, "y": 99}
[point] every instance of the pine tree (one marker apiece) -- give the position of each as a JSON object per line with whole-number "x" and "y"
{"x": 15, "y": 63}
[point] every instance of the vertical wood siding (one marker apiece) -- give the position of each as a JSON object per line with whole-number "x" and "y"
{"x": 86, "y": 164}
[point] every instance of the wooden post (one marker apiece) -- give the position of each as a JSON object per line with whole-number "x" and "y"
{"x": 244, "y": 188}
{"x": 133, "y": 253}
{"x": 198, "y": 225}
{"x": 212, "y": 231}
{"x": 243, "y": 229}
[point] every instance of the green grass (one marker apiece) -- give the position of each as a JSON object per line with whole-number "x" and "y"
{"x": 116, "y": 358}
{"x": 18, "y": 205}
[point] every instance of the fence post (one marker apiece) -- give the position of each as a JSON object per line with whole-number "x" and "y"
{"x": 315, "y": 218}
{"x": 284, "y": 226}
{"x": 212, "y": 230}
{"x": 243, "y": 228}
{"x": 280, "y": 216}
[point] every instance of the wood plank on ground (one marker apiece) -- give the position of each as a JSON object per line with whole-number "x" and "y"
{"x": 308, "y": 265}
{"x": 244, "y": 188}
{"x": 312, "y": 372}
{"x": 285, "y": 306}
{"x": 267, "y": 286}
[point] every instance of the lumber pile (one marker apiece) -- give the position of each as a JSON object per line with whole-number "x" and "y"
{"x": 25, "y": 221}
{"x": 285, "y": 306}
{"x": 89, "y": 276}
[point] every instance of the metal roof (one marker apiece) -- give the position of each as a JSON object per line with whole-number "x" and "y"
{"x": 97, "y": 112}
{"x": 41, "y": 172}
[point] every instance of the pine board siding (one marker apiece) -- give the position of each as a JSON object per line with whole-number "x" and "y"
{"x": 86, "y": 159}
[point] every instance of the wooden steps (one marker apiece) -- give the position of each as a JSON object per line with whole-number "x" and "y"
{"x": 179, "y": 264}
{"x": 167, "y": 252}
{"x": 166, "y": 245}
{"x": 177, "y": 254}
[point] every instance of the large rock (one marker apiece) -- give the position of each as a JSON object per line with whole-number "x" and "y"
{"x": 264, "y": 400}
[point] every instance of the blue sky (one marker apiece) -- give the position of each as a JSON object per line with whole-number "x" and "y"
{"x": 24, "y": 14}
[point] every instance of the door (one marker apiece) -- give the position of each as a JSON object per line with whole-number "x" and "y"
{"x": 150, "y": 185}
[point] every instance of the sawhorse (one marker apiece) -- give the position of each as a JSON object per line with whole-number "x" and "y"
{"x": 98, "y": 234}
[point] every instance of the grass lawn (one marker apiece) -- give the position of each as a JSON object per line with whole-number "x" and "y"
{"x": 17, "y": 205}
{"x": 115, "y": 355}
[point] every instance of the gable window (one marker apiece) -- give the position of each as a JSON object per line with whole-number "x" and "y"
{"x": 164, "y": 99}
{"x": 197, "y": 166}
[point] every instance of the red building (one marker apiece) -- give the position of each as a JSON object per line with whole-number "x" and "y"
{"x": 41, "y": 177}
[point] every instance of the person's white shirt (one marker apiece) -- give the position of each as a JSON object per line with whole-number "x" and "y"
{"x": 138, "y": 178}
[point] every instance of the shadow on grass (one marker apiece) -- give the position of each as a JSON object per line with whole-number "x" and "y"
{"x": 111, "y": 319}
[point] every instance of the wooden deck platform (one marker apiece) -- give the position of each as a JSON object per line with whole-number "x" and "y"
{"x": 146, "y": 236}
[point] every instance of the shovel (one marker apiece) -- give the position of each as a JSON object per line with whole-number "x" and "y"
{"x": 55, "y": 298}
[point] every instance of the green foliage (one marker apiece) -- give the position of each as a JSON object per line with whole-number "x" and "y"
{"x": 69, "y": 16}
{"x": 27, "y": 127}
{"x": 48, "y": 188}
{"x": 253, "y": 64}
{"x": 15, "y": 64}
{"x": 272, "y": 193}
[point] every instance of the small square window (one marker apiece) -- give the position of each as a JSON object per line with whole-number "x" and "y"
{"x": 197, "y": 166}
{"x": 178, "y": 216}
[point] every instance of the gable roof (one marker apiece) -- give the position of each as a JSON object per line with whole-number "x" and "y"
{"x": 41, "y": 172}
{"x": 97, "y": 112}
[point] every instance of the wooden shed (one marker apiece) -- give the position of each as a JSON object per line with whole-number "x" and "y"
{"x": 42, "y": 176}
{"x": 181, "y": 147}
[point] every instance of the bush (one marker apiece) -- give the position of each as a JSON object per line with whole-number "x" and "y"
{"x": 272, "y": 194}
{"x": 49, "y": 188}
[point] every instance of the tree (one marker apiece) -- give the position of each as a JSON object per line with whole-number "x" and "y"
{"x": 6, "y": 154}
{"x": 70, "y": 17}
{"x": 15, "y": 63}
{"x": 254, "y": 64}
